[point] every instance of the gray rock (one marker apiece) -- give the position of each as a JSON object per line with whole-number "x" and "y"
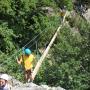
{"x": 87, "y": 15}
{"x": 17, "y": 85}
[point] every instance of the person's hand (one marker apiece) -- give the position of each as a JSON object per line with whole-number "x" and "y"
{"x": 18, "y": 61}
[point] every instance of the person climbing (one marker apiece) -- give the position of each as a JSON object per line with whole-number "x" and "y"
{"x": 4, "y": 82}
{"x": 26, "y": 60}
{"x": 62, "y": 12}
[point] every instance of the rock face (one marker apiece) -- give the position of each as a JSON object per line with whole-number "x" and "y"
{"x": 87, "y": 15}
{"x": 17, "y": 85}
{"x": 32, "y": 86}
{"x": 27, "y": 86}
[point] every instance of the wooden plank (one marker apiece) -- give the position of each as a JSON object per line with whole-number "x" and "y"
{"x": 38, "y": 65}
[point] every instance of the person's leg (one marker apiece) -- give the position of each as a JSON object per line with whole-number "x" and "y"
{"x": 28, "y": 79}
{"x": 26, "y": 76}
{"x": 30, "y": 75}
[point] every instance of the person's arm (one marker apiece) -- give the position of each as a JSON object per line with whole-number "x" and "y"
{"x": 19, "y": 60}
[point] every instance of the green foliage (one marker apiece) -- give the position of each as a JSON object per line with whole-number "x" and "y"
{"x": 67, "y": 3}
{"x": 20, "y": 21}
{"x": 5, "y": 6}
{"x": 67, "y": 55}
{"x": 47, "y": 3}
{"x": 68, "y": 65}
{"x": 46, "y": 25}
{"x": 69, "y": 58}
{"x": 6, "y": 40}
